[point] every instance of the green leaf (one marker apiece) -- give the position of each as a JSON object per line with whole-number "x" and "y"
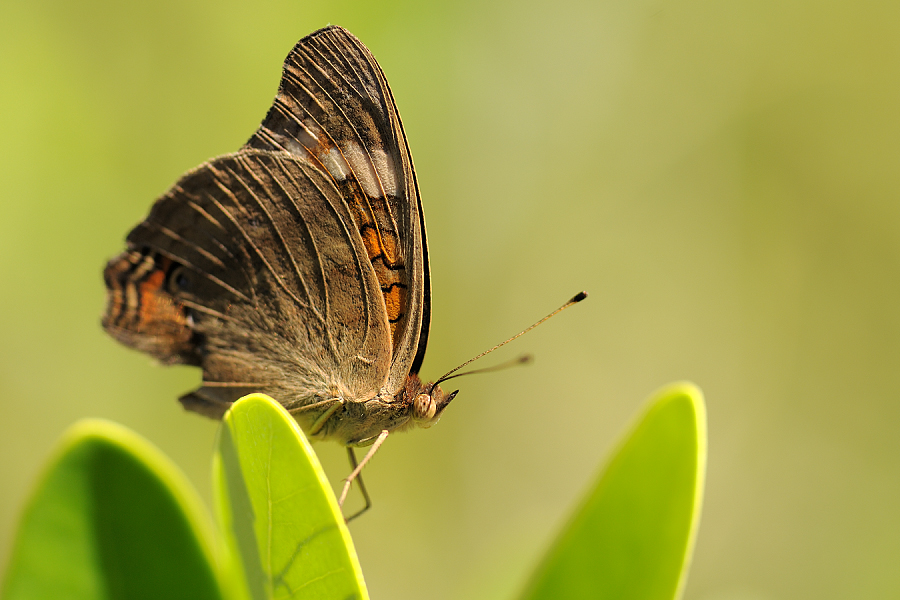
{"x": 633, "y": 537}
{"x": 111, "y": 518}
{"x": 281, "y": 521}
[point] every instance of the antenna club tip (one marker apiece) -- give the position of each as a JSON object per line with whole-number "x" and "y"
{"x": 579, "y": 297}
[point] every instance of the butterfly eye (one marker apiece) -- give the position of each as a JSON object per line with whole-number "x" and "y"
{"x": 423, "y": 407}
{"x": 179, "y": 280}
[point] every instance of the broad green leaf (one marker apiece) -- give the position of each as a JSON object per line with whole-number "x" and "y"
{"x": 111, "y": 518}
{"x": 281, "y": 521}
{"x": 633, "y": 537}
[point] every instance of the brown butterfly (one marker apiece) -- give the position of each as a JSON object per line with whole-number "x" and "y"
{"x": 298, "y": 265}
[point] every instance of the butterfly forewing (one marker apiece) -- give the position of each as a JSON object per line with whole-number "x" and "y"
{"x": 335, "y": 110}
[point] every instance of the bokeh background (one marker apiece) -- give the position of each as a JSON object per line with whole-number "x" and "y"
{"x": 721, "y": 176}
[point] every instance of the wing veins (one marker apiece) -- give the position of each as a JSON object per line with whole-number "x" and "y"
{"x": 277, "y": 229}
{"x": 199, "y": 209}
{"x": 339, "y": 109}
{"x": 171, "y": 234}
{"x": 206, "y": 310}
{"x": 249, "y": 241}
{"x": 360, "y": 266}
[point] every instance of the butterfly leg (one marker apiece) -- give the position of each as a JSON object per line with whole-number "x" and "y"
{"x": 362, "y": 486}
{"x": 355, "y": 474}
{"x": 319, "y": 423}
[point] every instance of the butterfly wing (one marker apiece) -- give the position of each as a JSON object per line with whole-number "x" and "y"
{"x": 298, "y": 265}
{"x": 335, "y": 111}
{"x": 273, "y": 289}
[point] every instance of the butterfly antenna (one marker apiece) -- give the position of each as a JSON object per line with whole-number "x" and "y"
{"x": 521, "y": 360}
{"x": 450, "y": 374}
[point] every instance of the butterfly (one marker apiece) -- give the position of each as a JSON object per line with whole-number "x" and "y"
{"x": 298, "y": 265}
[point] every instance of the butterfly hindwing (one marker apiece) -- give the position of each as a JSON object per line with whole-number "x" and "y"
{"x": 276, "y": 286}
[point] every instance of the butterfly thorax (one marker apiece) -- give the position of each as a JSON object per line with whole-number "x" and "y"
{"x": 358, "y": 423}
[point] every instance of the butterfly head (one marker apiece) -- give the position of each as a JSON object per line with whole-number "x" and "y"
{"x": 428, "y": 405}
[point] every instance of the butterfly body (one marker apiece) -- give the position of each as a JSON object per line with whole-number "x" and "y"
{"x": 296, "y": 266}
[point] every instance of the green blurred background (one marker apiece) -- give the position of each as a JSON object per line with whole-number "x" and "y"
{"x": 721, "y": 176}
